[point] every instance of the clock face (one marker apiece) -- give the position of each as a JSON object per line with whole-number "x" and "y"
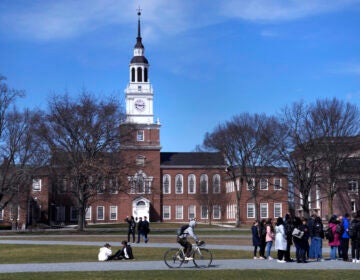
{"x": 140, "y": 105}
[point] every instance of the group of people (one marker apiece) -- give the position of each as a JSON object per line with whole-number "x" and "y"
{"x": 307, "y": 236}
{"x": 142, "y": 226}
{"x": 125, "y": 253}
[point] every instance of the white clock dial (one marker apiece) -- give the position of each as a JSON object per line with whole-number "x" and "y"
{"x": 140, "y": 105}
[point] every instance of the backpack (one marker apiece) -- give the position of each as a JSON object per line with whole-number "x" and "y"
{"x": 340, "y": 228}
{"x": 352, "y": 230}
{"x": 180, "y": 230}
{"x": 329, "y": 234}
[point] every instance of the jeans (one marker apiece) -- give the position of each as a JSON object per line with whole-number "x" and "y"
{"x": 317, "y": 248}
{"x": 333, "y": 250}
{"x": 268, "y": 248}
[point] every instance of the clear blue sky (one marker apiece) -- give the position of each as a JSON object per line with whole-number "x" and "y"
{"x": 209, "y": 60}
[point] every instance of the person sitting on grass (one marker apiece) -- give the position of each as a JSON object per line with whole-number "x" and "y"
{"x": 105, "y": 252}
{"x": 124, "y": 253}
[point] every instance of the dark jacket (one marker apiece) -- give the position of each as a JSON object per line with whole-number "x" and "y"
{"x": 255, "y": 236}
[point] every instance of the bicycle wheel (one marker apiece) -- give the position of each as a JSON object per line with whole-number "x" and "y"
{"x": 173, "y": 258}
{"x": 202, "y": 257}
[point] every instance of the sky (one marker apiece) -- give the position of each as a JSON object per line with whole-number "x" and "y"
{"x": 209, "y": 59}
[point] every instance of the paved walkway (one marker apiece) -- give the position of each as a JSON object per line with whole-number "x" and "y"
{"x": 160, "y": 265}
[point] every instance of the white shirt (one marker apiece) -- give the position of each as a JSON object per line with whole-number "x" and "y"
{"x": 104, "y": 254}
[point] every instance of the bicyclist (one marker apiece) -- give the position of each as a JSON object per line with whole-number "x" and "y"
{"x": 182, "y": 239}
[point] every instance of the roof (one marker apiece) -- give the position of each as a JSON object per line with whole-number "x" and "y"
{"x": 139, "y": 59}
{"x": 176, "y": 159}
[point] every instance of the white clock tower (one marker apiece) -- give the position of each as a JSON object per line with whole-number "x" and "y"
{"x": 139, "y": 92}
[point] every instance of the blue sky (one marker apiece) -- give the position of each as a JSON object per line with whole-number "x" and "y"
{"x": 209, "y": 60}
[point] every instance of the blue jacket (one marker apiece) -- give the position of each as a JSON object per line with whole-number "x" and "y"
{"x": 346, "y": 228}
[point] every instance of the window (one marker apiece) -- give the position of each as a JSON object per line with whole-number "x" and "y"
{"x": 277, "y": 210}
{"x": 204, "y": 212}
{"x": 216, "y": 183}
{"x": 179, "y": 184}
{"x": 192, "y": 212}
{"x": 216, "y": 212}
{"x": 60, "y": 213}
{"x": 250, "y": 184}
{"x": 113, "y": 185}
{"x": 145, "y": 75}
{"x": 100, "y": 213}
{"x": 277, "y": 184}
{"x": 15, "y": 212}
{"x": 203, "y": 183}
{"x": 352, "y": 186}
{"x": 2, "y": 215}
{"x": 133, "y": 74}
{"x": 166, "y": 212}
{"x": 140, "y": 160}
{"x": 179, "y": 212}
{"x": 353, "y": 205}
{"x": 36, "y": 184}
{"x": 140, "y": 135}
{"x": 88, "y": 214}
{"x": 263, "y": 184}
{"x": 139, "y": 88}
{"x": 191, "y": 184}
{"x": 74, "y": 213}
{"x": 166, "y": 184}
{"x": 263, "y": 210}
{"x": 139, "y": 74}
{"x": 101, "y": 187}
{"x": 250, "y": 210}
{"x": 113, "y": 212}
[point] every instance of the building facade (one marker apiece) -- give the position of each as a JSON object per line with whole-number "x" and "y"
{"x": 164, "y": 186}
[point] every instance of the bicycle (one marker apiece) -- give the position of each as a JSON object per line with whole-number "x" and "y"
{"x": 175, "y": 257}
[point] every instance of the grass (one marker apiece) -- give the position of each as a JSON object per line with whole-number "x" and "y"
{"x": 59, "y": 253}
{"x": 182, "y": 274}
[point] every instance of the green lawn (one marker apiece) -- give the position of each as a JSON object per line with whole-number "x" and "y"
{"x": 191, "y": 274}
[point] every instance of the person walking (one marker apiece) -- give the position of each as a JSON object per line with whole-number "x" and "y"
{"x": 255, "y": 237}
{"x": 269, "y": 238}
{"x": 146, "y": 229}
{"x": 280, "y": 240}
{"x": 140, "y": 229}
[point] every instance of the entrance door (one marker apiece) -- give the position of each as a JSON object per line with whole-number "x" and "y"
{"x": 141, "y": 208}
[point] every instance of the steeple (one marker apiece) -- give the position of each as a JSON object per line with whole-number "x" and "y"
{"x": 139, "y": 49}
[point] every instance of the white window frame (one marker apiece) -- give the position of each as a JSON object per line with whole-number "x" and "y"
{"x": 264, "y": 206}
{"x": 204, "y": 179}
{"x": 353, "y": 205}
{"x": 261, "y": 184}
{"x": 277, "y": 187}
{"x": 166, "y": 212}
{"x": 88, "y": 214}
{"x": 103, "y": 213}
{"x": 2, "y": 215}
{"x": 179, "y": 179}
{"x": 204, "y": 210}
{"x": 36, "y": 185}
{"x": 216, "y": 187}
{"x": 354, "y": 185}
{"x": 216, "y": 212}
{"x": 140, "y": 136}
{"x": 247, "y": 184}
{"x": 250, "y": 207}
{"x": 112, "y": 212}
{"x": 191, "y": 212}
{"x": 191, "y": 178}
{"x": 113, "y": 185}
{"x": 168, "y": 177}
{"x": 278, "y": 207}
{"x": 179, "y": 212}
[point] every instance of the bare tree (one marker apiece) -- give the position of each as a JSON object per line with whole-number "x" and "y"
{"x": 245, "y": 142}
{"x": 336, "y": 125}
{"x": 84, "y": 137}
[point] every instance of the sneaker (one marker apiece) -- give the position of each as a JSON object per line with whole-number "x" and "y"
{"x": 255, "y": 258}
{"x": 261, "y": 258}
{"x": 354, "y": 260}
{"x": 357, "y": 261}
{"x": 188, "y": 258}
{"x": 281, "y": 261}
{"x": 270, "y": 258}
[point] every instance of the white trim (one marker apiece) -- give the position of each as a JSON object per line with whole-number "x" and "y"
{"x": 112, "y": 207}
{"x": 97, "y": 213}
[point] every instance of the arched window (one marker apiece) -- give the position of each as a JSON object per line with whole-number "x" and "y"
{"x": 145, "y": 75}
{"x": 133, "y": 74}
{"x": 179, "y": 184}
{"x": 139, "y": 74}
{"x": 191, "y": 183}
{"x": 216, "y": 183}
{"x": 166, "y": 184}
{"x": 203, "y": 183}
